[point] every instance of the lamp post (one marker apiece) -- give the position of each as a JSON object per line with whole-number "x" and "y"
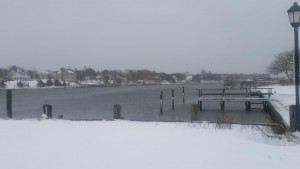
{"x": 294, "y": 16}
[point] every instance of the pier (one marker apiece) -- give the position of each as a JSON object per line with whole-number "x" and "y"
{"x": 248, "y": 95}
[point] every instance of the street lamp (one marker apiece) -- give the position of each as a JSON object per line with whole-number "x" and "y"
{"x": 294, "y": 16}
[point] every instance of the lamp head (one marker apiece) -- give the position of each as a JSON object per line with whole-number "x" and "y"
{"x": 294, "y": 15}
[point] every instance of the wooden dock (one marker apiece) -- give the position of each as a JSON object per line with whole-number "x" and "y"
{"x": 248, "y": 95}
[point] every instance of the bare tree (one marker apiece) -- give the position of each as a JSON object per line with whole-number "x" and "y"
{"x": 283, "y": 63}
{"x": 230, "y": 81}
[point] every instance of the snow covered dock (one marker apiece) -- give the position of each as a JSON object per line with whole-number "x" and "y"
{"x": 283, "y": 97}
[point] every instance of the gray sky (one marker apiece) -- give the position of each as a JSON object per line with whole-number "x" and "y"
{"x": 234, "y": 36}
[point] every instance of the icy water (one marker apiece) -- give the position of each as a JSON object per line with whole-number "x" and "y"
{"x": 138, "y": 103}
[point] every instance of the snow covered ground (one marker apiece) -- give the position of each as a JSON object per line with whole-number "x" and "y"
{"x": 32, "y": 84}
{"x": 60, "y": 144}
{"x": 13, "y": 84}
{"x": 27, "y": 84}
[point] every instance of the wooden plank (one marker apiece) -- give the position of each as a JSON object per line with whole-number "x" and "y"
{"x": 226, "y": 94}
{"x": 232, "y": 99}
{"x": 241, "y": 93}
{"x": 238, "y": 88}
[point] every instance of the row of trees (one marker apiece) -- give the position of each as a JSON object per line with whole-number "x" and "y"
{"x": 283, "y": 63}
{"x": 40, "y": 83}
{"x": 49, "y": 82}
{"x": 129, "y": 75}
{"x": 134, "y": 75}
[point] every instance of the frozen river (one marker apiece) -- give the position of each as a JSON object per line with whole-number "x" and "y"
{"x": 138, "y": 103}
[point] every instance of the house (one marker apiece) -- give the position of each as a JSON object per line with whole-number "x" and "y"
{"x": 47, "y": 74}
{"x": 18, "y": 76}
{"x": 65, "y": 74}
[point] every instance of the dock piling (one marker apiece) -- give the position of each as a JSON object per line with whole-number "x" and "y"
{"x": 161, "y": 102}
{"x": 248, "y": 106}
{"x": 117, "y": 111}
{"x": 222, "y": 106}
{"x": 9, "y": 103}
{"x": 265, "y": 105}
{"x": 200, "y": 102}
{"x": 183, "y": 95}
{"x": 173, "y": 105}
{"x": 60, "y": 116}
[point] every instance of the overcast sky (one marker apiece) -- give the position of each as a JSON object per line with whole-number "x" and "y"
{"x": 223, "y": 36}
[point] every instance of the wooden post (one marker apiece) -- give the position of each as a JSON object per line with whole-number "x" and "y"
{"x": 248, "y": 106}
{"x": 117, "y": 111}
{"x": 222, "y": 106}
{"x": 9, "y": 103}
{"x": 161, "y": 102}
{"x": 293, "y": 120}
{"x": 199, "y": 102}
{"x": 50, "y": 111}
{"x": 223, "y": 103}
{"x": 183, "y": 95}
{"x": 265, "y": 105}
{"x": 200, "y": 105}
{"x": 173, "y": 106}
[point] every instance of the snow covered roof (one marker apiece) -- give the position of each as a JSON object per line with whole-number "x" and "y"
{"x": 67, "y": 71}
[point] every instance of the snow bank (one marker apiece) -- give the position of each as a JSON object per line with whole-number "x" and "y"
{"x": 27, "y": 84}
{"x": 31, "y": 144}
{"x": 32, "y": 84}
{"x": 283, "y": 97}
{"x": 284, "y": 89}
{"x": 11, "y": 84}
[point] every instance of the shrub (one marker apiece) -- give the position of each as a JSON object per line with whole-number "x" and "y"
{"x": 57, "y": 82}
{"x": 20, "y": 84}
{"x": 49, "y": 82}
{"x": 2, "y": 84}
{"x": 40, "y": 83}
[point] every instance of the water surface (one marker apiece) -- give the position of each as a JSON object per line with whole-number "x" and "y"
{"x": 138, "y": 103}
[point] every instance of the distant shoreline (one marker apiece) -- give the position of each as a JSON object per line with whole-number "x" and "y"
{"x": 113, "y": 86}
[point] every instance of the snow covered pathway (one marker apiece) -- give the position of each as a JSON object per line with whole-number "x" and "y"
{"x": 59, "y": 144}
